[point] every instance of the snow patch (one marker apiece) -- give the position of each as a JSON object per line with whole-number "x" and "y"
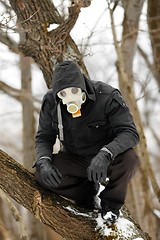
{"x": 138, "y": 238}
{"x": 125, "y": 226}
{"x": 122, "y": 228}
{"x": 109, "y": 215}
{"x": 77, "y": 213}
{"x": 157, "y": 212}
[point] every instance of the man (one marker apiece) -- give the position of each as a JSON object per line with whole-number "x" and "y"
{"x": 97, "y": 133}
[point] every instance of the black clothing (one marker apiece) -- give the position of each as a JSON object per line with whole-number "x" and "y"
{"x": 97, "y": 171}
{"x": 109, "y": 215}
{"x": 48, "y": 173}
{"x": 75, "y": 184}
{"x": 105, "y": 121}
{"x": 67, "y": 74}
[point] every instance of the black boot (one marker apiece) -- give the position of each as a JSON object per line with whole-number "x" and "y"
{"x": 109, "y": 215}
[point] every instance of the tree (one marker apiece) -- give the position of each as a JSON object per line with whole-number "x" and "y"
{"x": 125, "y": 56}
{"x": 153, "y": 24}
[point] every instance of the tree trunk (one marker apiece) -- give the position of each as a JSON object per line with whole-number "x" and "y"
{"x": 28, "y": 139}
{"x": 132, "y": 14}
{"x": 27, "y": 115}
{"x": 139, "y": 187}
{"x": 57, "y": 213}
{"x": 153, "y": 15}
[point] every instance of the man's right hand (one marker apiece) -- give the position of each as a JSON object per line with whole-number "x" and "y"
{"x": 49, "y": 175}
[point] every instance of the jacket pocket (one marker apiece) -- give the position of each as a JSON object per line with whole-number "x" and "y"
{"x": 97, "y": 131}
{"x": 97, "y": 124}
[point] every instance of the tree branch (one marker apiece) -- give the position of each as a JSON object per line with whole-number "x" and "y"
{"x": 9, "y": 42}
{"x": 44, "y": 46}
{"x": 19, "y": 95}
{"x": 44, "y": 205}
{"x": 57, "y": 213}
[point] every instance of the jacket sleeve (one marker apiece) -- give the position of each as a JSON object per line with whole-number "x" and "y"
{"x": 121, "y": 120}
{"x": 46, "y": 135}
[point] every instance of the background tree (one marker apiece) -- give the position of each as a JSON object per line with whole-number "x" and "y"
{"x": 139, "y": 187}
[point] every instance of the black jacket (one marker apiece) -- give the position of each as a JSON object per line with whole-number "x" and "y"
{"x": 105, "y": 119}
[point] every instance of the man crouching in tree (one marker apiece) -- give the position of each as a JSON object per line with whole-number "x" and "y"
{"x": 97, "y": 133}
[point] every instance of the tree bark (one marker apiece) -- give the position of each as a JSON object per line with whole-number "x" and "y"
{"x": 132, "y": 14}
{"x": 153, "y": 15}
{"x": 44, "y": 46}
{"x": 28, "y": 115}
{"x": 59, "y": 214}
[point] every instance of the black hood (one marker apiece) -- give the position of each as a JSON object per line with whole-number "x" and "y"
{"x": 67, "y": 74}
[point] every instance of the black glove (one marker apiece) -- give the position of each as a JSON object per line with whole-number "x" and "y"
{"x": 49, "y": 175}
{"x": 97, "y": 171}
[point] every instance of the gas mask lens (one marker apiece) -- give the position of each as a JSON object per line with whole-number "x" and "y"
{"x": 62, "y": 94}
{"x": 72, "y": 108}
{"x": 75, "y": 90}
{"x": 73, "y": 97}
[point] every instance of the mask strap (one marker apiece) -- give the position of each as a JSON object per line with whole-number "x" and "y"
{"x": 60, "y": 125}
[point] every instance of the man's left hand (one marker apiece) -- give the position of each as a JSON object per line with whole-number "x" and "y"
{"x": 97, "y": 171}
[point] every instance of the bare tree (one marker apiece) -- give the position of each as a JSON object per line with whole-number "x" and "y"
{"x": 154, "y": 31}
{"x": 139, "y": 194}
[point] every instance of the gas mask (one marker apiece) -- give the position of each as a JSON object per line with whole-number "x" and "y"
{"x": 73, "y": 97}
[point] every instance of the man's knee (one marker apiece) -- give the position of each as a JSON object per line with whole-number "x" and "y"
{"x": 131, "y": 163}
{"x": 131, "y": 159}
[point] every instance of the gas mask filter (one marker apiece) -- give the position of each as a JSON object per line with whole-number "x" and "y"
{"x": 73, "y": 97}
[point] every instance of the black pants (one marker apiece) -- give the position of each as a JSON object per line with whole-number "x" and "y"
{"x": 76, "y": 186}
